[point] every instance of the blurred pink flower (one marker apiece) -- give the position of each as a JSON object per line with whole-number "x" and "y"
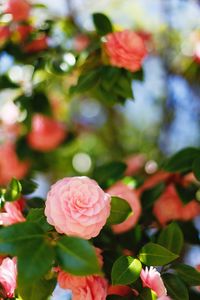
{"x": 151, "y": 278}
{"x": 120, "y": 290}
{"x": 122, "y": 190}
{"x": 134, "y": 164}
{"x": 170, "y": 207}
{"x": 10, "y": 165}
{"x": 81, "y": 41}
{"x": 8, "y": 276}
{"x": 19, "y": 9}
{"x": 12, "y": 214}
{"x": 77, "y": 206}
{"x": 84, "y": 288}
{"x": 46, "y": 133}
{"x": 125, "y": 49}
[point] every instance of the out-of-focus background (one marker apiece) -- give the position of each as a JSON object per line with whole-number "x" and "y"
{"x": 165, "y": 115}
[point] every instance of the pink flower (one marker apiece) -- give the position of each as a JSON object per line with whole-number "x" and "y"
{"x": 46, "y": 133}
{"x": 134, "y": 164}
{"x": 10, "y": 165}
{"x": 19, "y": 9}
{"x": 81, "y": 42}
{"x": 164, "y": 298}
{"x": 170, "y": 207}
{"x": 12, "y": 214}
{"x": 125, "y": 49}
{"x": 120, "y": 290}
{"x": 4, "y": 34}
{"x": 37, "y": 45}
{"x": 8, "y": 275}
{"x": 122, "y": 190}
{"x": 84, "y": 287}
{"x": 77, "y": 206}
{"x": 151, "y": 278}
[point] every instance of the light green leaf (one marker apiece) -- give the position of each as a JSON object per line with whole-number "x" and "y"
{"x": 120, "y": 211}
{"x": 155, "y": 255}
{"x": 125, "y": 270}
{"x": 172, "y": 238}
{"x": 77, "y": 256}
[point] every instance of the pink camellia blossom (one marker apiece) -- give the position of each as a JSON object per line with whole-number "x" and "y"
{"x": 4, "y": 34}
{"x": 170, "y": 207}
{"x": 123, "y": 191}
{"x": 46, "y": 133}
{"x": 12, "y": 214}
{"x": 10, "y": 165}
{"x": 164, "y": 298}
{"x": 125, "y": 49}
{"x": 37, "y": 45}
{"x": 84, "y": 288}
{"x": 151, "y": 278}
{"x": 8, "y": 276}
{"x": 81, "y": 41}
{"x": 19, "y": 9}
{"x": 77, "y": 206}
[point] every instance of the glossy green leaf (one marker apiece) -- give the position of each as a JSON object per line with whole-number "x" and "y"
{"x": 120, "y": 211}
{"x": 13, "y": 191}
{"x": 147, "y": 294}
{"x": 14, "y": 236}
{"x": 175, "y": 287}
{"x": 196, "y": 168}
{"x": 35, "y": 260}
{"x": 28, "y": 186}
{"x": 37, "y": 215}
{"x": 77, "y": 256}
{"x": 102, "y": 23}
{"x": 37, "y": 290}
{"x": 182, "y": 161}
{"x": 125, "y": 270}
{"x": 155, "y": 255}
{"x": 188, "y": 274}
{"x": 172, "y": 238}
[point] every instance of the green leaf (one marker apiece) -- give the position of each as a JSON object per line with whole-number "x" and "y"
{"x": 149, "y": 196}
{"x": 35, "y": 260}
{"x": 38, "y": 290}
{"x": 13, "y": 237}
{"x": 182, "y": 161}
{"x": 13, "y": 191}
{"x": 108, "y": 173}
{"x": 125, "y": 270}
{"x": 175, "y": 287}
{"x": 155, "y": 255}
{"x": 196, "y": 168}
{"x": 172, "y": 238}
{"x": 28, "y": 186}
{"x": 188, "y": 274}
{"x": 102, "y": 23}
{"x": 37, "y": 215}
{"x": 147, "y": 294}
{"x": 120, "y": 211}
{"x": 186, "y": 194}
{"x": 77, "y": 256}
{"x": 86, "y": 81}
